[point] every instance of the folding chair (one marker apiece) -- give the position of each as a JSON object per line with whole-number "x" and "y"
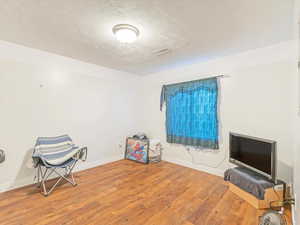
{"x": 52, "y": 154}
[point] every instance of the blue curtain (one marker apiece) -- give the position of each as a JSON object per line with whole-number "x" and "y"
{"x": 192, "y": 113}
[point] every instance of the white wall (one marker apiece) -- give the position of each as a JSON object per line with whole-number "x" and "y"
{"x": 256, "y": 99}
{"x": 43, "y": 94}
{"x": 296, "y": 156}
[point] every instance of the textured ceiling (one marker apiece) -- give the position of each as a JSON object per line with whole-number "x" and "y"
{"x": 192, "y": 30}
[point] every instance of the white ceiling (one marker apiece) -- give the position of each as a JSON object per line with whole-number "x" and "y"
{"x": 193, "y": 30}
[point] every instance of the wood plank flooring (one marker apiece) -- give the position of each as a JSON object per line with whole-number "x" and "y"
{"x": 129, "y": 193}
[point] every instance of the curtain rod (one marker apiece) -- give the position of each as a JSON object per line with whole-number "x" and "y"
{"x": 206, "y": 78}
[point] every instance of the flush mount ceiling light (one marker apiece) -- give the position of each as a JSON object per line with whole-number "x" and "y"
{"x": 125, "y": 33}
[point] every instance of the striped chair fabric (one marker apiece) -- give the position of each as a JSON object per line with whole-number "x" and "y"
{"x": 55, "y": 150}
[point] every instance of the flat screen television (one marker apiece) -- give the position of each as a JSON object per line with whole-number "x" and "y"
{"x": 254, "y": 153}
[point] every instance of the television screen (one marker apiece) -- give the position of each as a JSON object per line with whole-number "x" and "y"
{"x": 254, "y": 153}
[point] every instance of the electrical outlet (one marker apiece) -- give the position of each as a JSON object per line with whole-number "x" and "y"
{"x": 278, "y": 188}
{"x": 2, "y": 156}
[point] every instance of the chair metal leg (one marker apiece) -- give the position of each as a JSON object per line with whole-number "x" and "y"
{"x": 68, "y": 173}
{"x": 43, "y": 183}
{"x": 65, "y": 177}
{"x": 74, "y": 183}
{"x": 56, "y": 183}
{"x": 43, "y": 177}
{"x": 71, "y": 173}
{"x": 37, "y": 177}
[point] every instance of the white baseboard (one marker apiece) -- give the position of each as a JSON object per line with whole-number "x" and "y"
{"x": 214, "y": 171}
{"x": 13, "y": 184}
{"x": 87, "y": 165}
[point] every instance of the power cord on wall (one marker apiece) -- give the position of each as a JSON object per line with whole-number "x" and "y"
{"x": 188, "y": 149}
{"x": 286, "y": 199}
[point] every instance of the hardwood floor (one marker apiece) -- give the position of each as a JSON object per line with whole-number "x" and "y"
{"x": 129, "y": 193}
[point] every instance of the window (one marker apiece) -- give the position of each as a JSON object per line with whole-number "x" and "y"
{"x": 192, "y": 113}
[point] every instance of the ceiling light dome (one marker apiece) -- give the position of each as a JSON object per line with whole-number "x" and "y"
{"x": 125, "y": 33}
